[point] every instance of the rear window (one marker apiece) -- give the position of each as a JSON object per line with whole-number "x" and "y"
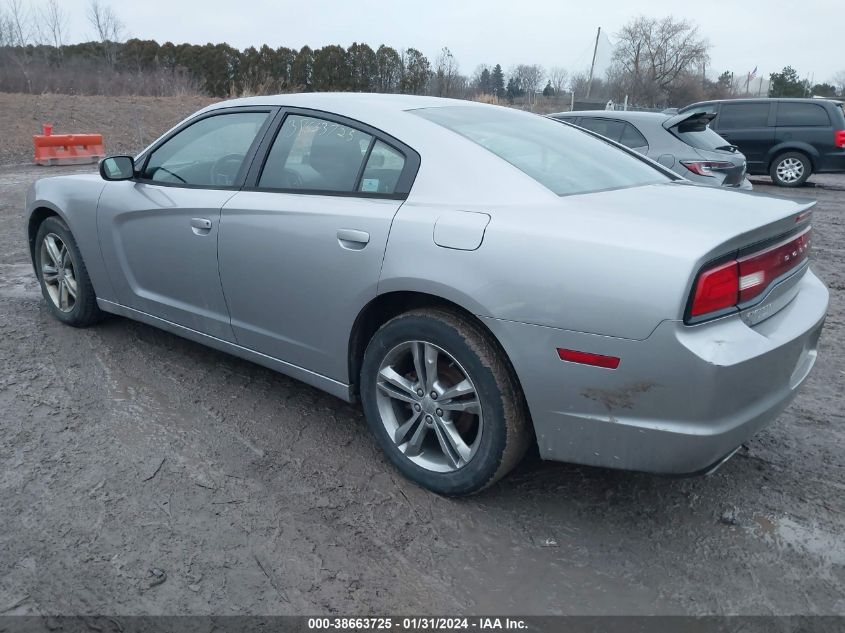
{"x": 705, "y": 139}
{"x": 743, "y": 115}
{"x": 802, "y": 115}
{"x": 560, "y": 157}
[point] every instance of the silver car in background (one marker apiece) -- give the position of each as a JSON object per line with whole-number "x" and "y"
{"x": 480, "y": 278}
{"x": 684, "y": 143}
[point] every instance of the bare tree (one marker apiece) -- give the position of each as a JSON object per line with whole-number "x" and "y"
{"x": 529, "y": 77}
{"x": 839, "y": 80}
{"x": 651, "y": 54}
{"x": 19, "y": 24}
{"x": 54, "y": 21}
{"x": 108, "y": 27}
{"x": 446, "y": 74}
{"x": 558, "y": 76}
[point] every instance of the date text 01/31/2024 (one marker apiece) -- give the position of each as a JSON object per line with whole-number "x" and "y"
{"x": 416, "y": 623}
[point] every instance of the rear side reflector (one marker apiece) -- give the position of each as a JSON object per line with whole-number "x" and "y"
{"x": 739, "y": 281}
{"x": 585, "y": 358}
{"x": 839, "y": 138}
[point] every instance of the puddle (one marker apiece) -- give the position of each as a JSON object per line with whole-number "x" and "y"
{"x": 810, "y": 539}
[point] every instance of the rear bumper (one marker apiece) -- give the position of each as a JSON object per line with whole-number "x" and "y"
{"x": 831, "y": 162}
{"x": 680, "y": 401}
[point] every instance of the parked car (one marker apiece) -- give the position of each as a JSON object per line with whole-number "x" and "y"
{"x": 788, "y": 139}
{"x": 477, "y": 276}
{"x": 683, "y": 143}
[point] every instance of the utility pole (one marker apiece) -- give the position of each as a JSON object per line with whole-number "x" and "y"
{"x": 593, "y": 65}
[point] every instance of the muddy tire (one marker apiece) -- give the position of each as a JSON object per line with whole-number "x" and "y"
{"x": 63, "y": 277}
{"x": 442, "y": 400}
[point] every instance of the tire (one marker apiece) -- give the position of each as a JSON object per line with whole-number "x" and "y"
{"x": 58, "y": 264}
{"x": 486, "y": 409}
{"x": 791, "y": 169}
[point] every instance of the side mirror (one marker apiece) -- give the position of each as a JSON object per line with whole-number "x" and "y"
{"x": 117, "y": 168}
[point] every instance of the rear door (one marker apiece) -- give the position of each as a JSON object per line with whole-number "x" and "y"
{"x": 609, "y": 128}
{"x": 750, "y": 126}
{"x": 301, "y": 246}
{"x": 800, "y": 124}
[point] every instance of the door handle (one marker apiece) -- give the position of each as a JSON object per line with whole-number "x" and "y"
{"x": 200, "y": 226}
{"x": 352, "y": 239}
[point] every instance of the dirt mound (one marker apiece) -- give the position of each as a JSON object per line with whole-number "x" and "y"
{"x": 128, "y": 124}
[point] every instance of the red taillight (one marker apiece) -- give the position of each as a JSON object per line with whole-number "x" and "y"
{"x": 738, "y": 281}
{"x": 586, "y": 358}
{"x": 717, "y": 289}
{"x": 705, "y": 167}
{"x": 839, "y": 138}
{"x": 758, "y": 270}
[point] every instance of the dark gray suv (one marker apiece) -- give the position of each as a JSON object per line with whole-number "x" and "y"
{"x": 788, "y": 139}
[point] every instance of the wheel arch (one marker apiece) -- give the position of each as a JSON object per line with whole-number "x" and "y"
{"x": 385, "y": 306}
{"x": 808, "y": 150}
{"x": 36, "y": 218}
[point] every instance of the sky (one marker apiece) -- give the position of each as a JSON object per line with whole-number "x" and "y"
{"x": 744, "y": 34}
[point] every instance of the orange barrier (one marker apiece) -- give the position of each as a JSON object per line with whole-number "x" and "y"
{"x": 67, "y": 149}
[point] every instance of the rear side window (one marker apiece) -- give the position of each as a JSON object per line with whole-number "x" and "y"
{"x": 609, "y": 128}
{"x": 631, "y": 137}
{"x": 562, "y": 158}
{"x": 743, "y": 115}
{"x": 802, "y": 115}
{"x": 312, "y": 154}
{"x": 384, "y": 166}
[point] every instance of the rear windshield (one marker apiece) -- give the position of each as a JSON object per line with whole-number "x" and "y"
{"x": 560, "y": 157}
{"x": 705, "y": 139}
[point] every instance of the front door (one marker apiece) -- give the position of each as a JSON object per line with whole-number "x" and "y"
{"x": 159, "y": 232}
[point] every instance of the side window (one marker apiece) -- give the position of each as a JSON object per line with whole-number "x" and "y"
{"x": 631, "y": 137}
{"x": 743, "y": 115}
{"x": 609, "y": 128}
{"x": 208, "y": 153}
{"x": 315, "y": 154}
{"x": 384, "y": 166}
{"x": 802, "y": 115}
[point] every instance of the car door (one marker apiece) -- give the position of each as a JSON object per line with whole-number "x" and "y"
{"x": 158, "y": 232}
{"x": 632, "y": 137}
{"x": 609, "y": 128}
{"x": 301, "y": 246}
{"x": 749, "y": 126}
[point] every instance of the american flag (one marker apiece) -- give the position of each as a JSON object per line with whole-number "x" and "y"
{"x": 752, "y": 74}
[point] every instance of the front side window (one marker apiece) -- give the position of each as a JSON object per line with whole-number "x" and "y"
{"x": 562, "y": 158}
{"x": 209, "y": 152}
{"x": 312, "y": 154}
{"x": 743, "y": 115}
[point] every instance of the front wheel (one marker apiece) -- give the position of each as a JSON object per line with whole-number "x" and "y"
{"x": 791, "y": 169}
{"x": 63, "y": 276}
{"x": 441, "y": 399}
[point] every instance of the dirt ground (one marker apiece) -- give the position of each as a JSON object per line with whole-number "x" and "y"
{"x": 144, "y": 474}
{"x": 128, "y": 124}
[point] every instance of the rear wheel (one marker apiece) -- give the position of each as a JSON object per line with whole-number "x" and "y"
{"x": 63, "y": 277}
{"x": 443, "y": 402}
{"x": 791, "y": 169}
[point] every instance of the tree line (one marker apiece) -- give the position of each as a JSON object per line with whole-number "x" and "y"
{"x": 656, "y": 63}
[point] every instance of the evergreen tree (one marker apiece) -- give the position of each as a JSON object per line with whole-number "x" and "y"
{"x": 548, "y": 91}
{"x": 497, "y": 81}
{"x": 484, "y": 82}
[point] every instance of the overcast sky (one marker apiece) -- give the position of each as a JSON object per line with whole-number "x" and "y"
{"x": 768, "y": 34}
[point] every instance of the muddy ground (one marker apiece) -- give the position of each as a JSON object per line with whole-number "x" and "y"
{"x": 144, "y": 474}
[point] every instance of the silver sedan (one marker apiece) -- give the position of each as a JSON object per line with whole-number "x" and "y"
{"x": 480, "y": 278}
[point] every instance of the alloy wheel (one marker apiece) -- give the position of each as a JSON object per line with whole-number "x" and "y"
{"x": 429, "y": 406}
{"x": 790, "y": 170}
{"x": 58, "y": 272}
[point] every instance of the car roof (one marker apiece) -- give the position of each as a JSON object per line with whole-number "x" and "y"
{"x": 697, "y": 104}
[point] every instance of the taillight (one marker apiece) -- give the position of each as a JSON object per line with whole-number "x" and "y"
{"x": 706, "y": 167}
{"x": 716, "y": 289}
{"x": 839, "y": 138}
{"x": 758, "y": 270}
{"x": 738, "y": 281}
